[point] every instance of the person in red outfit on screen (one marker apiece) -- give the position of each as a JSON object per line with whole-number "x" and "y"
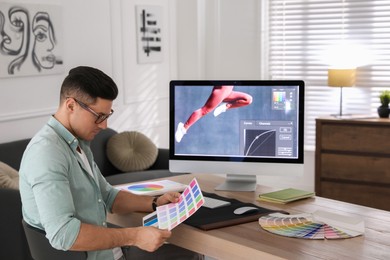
{"x": 220, "y": 100}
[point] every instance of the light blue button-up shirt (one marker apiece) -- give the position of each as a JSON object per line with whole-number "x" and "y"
{"x": 57, "y": 191}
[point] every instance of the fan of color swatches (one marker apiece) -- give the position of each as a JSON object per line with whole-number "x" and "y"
{"x": 171, "y": 215}
{"x": 308, "y": 227}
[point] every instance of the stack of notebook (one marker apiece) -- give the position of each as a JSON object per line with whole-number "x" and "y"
{"x": 286, "y": 195}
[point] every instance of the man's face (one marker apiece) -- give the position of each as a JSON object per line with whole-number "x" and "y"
{"x": 82, "y": 122}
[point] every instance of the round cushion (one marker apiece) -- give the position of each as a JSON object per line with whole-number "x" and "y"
{"x": 9, "y": 177}
{"x": 131, "y": 151}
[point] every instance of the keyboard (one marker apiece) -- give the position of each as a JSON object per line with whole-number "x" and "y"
{"x": 212, "y": 203}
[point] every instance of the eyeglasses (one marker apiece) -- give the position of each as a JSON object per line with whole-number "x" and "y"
{"x": 100, "y": 117}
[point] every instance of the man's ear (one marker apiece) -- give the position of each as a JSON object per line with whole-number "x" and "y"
{"x": 69, "y": 103}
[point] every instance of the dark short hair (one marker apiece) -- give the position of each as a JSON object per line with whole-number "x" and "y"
{"x": 87, "y": 84}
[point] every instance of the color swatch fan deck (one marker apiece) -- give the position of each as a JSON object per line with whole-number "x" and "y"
{"x": 318, "y": 225}
{"x": 170, "y": 215}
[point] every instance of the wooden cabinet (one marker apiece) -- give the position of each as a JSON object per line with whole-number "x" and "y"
{"x": 352, "y": 161}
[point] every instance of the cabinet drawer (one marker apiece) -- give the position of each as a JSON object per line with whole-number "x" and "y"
{"x": 376, "y": 197}
{"x": 356, "y": 138}
{"x": 355, "y": 168}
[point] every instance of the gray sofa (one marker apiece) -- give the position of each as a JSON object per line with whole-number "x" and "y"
{"x": 14, "y": 244}
{"x": 114, "y": 176}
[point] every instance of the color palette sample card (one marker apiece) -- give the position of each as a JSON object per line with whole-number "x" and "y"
{"x": 153, "y": 188}
{"x": 150, "y": 220}
{"x": 318, "y": 225}
{"x": 170, "y": 215}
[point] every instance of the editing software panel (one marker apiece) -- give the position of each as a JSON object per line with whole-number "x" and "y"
{"x": 271, "y": 138}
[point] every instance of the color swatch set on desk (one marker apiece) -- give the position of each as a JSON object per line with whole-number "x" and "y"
{"x": 170, "y": 215}
{"x": 318, "y": 225}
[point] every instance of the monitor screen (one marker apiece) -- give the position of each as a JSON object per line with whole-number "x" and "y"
{"x": 239, "y": 128}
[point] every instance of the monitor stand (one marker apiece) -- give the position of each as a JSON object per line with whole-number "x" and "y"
{"x": 238, "y": 182}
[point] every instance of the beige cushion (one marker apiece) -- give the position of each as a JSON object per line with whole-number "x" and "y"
{"x": 9, "y": 177}
{"x": 131, "y": 151}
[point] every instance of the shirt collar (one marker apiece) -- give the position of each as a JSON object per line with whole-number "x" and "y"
{"x": 69, "y": 138}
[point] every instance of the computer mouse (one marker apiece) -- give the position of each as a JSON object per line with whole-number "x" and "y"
{"x": 245, "y": 210}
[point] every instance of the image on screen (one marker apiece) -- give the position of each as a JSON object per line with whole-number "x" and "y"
{"x": 236, "y": 121}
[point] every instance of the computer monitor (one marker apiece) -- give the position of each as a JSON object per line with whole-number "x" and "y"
{"x": 238, "y": 128}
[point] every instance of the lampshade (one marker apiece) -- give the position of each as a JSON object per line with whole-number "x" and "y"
{"x": 341, "y": 77}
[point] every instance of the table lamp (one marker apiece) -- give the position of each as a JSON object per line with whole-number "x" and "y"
{"x": 341, "y": 78}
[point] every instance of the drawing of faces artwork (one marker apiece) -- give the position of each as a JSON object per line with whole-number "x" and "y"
{"x": 31, "y": 41}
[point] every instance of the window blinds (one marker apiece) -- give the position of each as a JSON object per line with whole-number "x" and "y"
{"x": 300, "y": 31}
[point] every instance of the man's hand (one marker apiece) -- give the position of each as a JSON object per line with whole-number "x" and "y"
{"x": 127, "y": 202}
{"x": 169, "y": 197}
{"x": 150, "y": 238}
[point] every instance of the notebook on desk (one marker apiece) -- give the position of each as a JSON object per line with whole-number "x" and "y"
{"x": 207, "y": 219}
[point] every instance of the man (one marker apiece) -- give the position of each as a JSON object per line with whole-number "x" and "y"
{"x": 63, "y": 191}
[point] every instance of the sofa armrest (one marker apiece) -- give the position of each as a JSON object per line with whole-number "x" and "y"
{"x": 11, "y": 153}
{"x": 12, "y": 237}
{"x": 162, "y": 161}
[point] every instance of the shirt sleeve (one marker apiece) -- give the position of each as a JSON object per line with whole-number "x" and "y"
{"x": 47, "y": 170}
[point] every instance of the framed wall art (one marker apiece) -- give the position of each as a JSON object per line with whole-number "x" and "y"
{"x": 31, "y": 41}
{"x": 149, "y": 40}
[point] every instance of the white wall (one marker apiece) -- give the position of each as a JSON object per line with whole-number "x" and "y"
{"x": 221, "y": 39}
{"x": 26, "y": 102}
{"x": 216, "y": 39}
{"x": 99, "y": 33}
{"x": 143, "y": 104}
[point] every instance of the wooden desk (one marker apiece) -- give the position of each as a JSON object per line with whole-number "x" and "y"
{"x": 249, "y": 241}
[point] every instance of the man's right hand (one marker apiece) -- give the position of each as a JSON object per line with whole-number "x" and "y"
{"x": 150, "y": 238}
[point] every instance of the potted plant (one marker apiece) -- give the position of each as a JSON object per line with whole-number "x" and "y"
{"x": 383, "y": 109}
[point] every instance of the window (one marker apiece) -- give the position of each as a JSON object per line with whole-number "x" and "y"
{"x": 300, "y": 31}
